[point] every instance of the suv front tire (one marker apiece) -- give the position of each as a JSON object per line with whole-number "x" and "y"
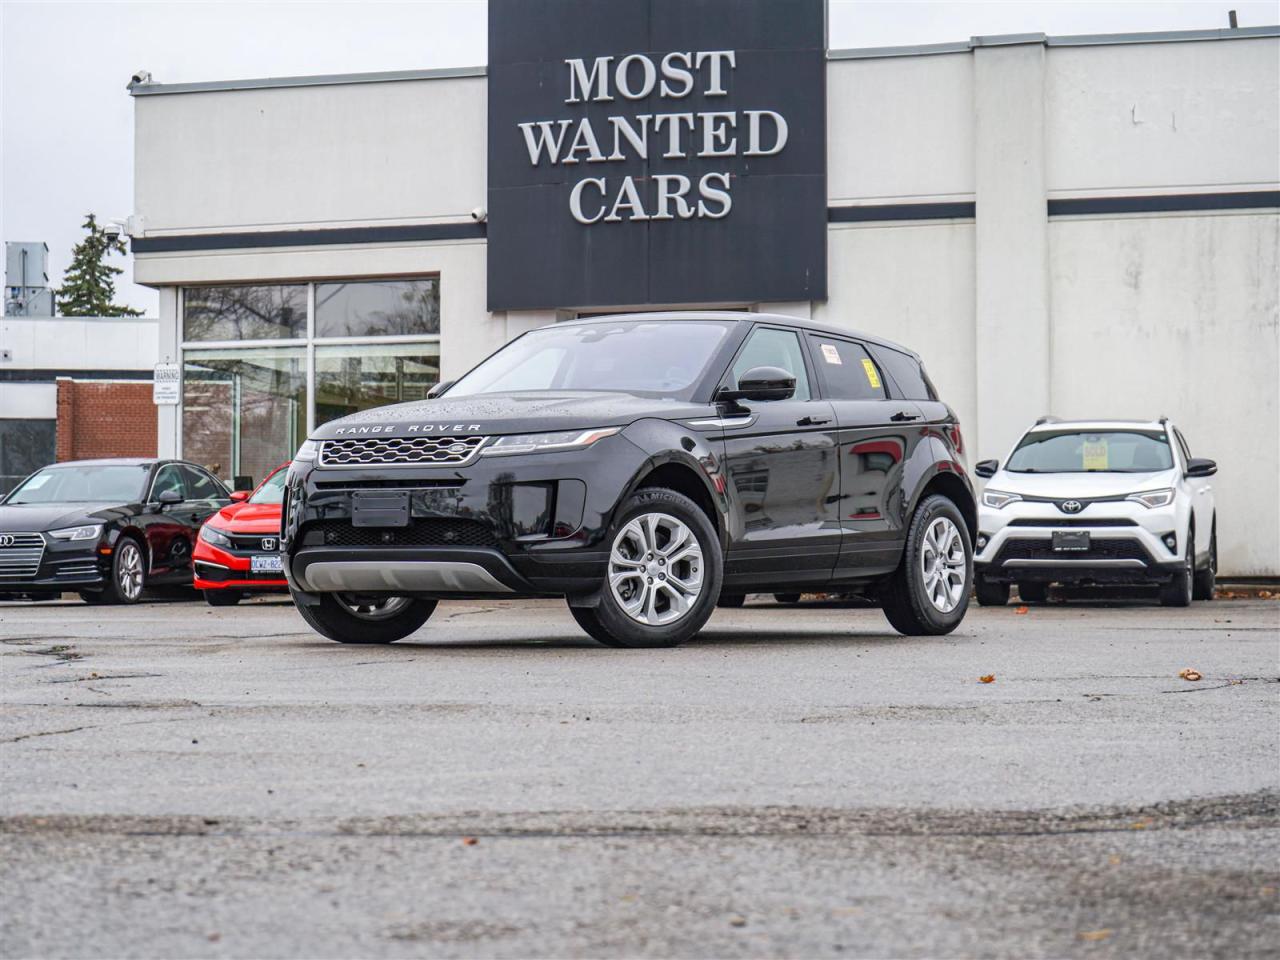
{"x": 663, "y": 577}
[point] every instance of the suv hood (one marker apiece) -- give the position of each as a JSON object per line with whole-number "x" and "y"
{"x": 535, "y": 411}
{"x": 38, "y": 517}
{"x": 1082, "y": 486}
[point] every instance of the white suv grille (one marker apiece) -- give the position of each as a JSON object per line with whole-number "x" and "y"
{"x": 20, "y": 555}
{"x": 398, "y": 451}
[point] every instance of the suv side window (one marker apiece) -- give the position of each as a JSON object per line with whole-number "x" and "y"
{"x": 767, "y": 347}
{"x": 907, "y": 374}
{"x": 169, "y": 478}
{"x": 201, "y": 486}
{"x": 846, "y": 371}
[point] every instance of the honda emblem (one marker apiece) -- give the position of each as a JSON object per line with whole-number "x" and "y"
{"x": 268, "y": 543}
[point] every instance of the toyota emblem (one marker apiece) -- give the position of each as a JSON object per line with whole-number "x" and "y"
{"x": 268, "y": 543}
{"x": 7, "y": 539}
{"x": 1072, "y": 506}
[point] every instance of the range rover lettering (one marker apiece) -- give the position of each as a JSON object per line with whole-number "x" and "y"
{"x": 645, "y": 468}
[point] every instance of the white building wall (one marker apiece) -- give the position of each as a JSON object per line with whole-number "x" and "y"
{"x": 80, "y": 343}
{"x": 338, "y": 155}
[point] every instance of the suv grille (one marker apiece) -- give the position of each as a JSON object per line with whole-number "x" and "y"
{"x": 20, "y": 555}
{"x": 392, "y": 451}
{"x": 426, "y": 532}
{"x": 1110, "y": 549}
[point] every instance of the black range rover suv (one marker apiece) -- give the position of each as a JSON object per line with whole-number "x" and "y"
{"x": 645, "y": 468}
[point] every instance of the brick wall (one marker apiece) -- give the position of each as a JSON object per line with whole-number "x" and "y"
{"x": 105, "y": 419}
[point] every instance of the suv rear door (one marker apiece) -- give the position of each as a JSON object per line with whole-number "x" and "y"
{"x": 877, "y": 435}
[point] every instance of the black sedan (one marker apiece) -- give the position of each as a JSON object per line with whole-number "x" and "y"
{"x": 104, "y": 528}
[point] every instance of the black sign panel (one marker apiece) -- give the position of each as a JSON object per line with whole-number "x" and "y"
{"x": 656, "y": 152}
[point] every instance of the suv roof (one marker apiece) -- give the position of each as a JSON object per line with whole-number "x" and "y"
{"x": 1052, "y": 424}
{"x": 744, "y": 316}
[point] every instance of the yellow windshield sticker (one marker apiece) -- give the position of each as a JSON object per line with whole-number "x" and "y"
{"x": 873, "y": 377}
{"x": 1095, "y": 455}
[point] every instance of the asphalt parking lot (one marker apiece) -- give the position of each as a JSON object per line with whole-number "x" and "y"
{"x": 184, "y": 781}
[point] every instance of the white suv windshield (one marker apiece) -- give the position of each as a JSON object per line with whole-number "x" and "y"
{"x": 649, "y": 358}
{"x": 1092, "y": 451}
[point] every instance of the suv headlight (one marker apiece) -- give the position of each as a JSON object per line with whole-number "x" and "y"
{"x": 307, "y": 451}
{"x": 546, "y": 442}
{"x": 998, "y": 498}
{"x": 90, "y": 531}
{"x": 215, "y": 536}
{"x": 1152, "y": 498}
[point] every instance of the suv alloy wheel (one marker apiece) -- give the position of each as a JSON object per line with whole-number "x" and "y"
{"x": 929, "y": 592}
{"x": 663, "y": 576}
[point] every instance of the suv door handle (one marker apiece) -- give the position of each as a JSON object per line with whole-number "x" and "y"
{"x": 902, "y": 416}
{"x": 810, "y": 422}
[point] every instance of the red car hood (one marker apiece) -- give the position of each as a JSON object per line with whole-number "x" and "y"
{"x": 249, "y": 518}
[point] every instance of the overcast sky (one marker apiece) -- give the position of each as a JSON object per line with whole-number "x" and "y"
{"x": 67, "y": 122}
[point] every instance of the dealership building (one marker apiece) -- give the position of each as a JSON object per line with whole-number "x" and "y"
{"x": 1083, "y": 226}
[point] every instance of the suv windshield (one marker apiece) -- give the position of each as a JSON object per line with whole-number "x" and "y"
{"x": 1093, "y": 451}
{"x": 116, "y": 484}
{"x": 272, "y": 490}
{"x": 652, "y": 358}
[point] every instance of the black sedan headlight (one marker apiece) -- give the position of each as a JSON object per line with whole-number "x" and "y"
{"x": 87, "y": 531}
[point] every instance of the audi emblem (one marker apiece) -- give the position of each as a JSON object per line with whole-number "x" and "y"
{"x": 268, "y": 543}
{"x": 1072, "y": 506}
{"x": 7, "y": 540}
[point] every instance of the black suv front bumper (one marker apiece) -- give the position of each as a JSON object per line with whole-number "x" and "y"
{"x": 526, "y": 525}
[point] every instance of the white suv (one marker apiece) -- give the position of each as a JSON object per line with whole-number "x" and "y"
{"x": 1097, "y": 502}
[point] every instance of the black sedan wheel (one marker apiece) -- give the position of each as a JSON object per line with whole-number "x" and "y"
{"x": 128, "y": 575}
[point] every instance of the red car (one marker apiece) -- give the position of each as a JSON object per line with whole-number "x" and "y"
{"x": 239, "y": 546}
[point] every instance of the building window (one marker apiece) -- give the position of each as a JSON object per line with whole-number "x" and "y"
{"x": 359, "y": 344}
{"x": 353, "y": 378}
{"x": 378, "y": 308}
{"x": 260, "y": 312}
{"x": 25, "y": 447}
{"x": 244, "y": 412}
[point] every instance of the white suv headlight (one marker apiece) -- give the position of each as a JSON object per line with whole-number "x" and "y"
{"x": 546, "y": 442}
{"x": 998, "y": 498}
{"x": 1152, "y": 498}
{"x": 90, "y": 531}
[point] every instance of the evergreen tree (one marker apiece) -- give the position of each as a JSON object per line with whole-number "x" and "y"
{"x": 88, "y": 286}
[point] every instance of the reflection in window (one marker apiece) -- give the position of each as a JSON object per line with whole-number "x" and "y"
{"x": 354, "y": 378}
{"x": 244, "y": 411}
{"x": 261, "y": 312}
{"x": 378, "y": 308}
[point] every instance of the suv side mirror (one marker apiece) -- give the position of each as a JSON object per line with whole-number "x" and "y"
{"x": 986, "y": 468}
{"x": 440, "y": 388}
{"x": 240, "y": 496}
{"x": 1200, "y": 467}
{"x": 762, "y": 383}
{"x": 169, "y": 497}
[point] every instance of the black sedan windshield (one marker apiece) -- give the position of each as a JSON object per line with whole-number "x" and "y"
{"x": 653, "y": 358}
{"x": 116, "y": 483}
{"x": 1101, "y": 451}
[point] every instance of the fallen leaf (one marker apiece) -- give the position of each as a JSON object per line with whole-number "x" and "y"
{"x": 987, "y": 678}
{"x": 1189, "y": 674}
{"x": 1021, "y": 610}
{"x": 1114, "y": 860}
{"x": 1264, "y": 594}
{"x": 1094, "y": 934}
{"x": 736, "y": 921}
{"x": 469, "y": 841}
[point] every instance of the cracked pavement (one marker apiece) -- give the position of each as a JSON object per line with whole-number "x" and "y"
{"x": 184, "y": 781}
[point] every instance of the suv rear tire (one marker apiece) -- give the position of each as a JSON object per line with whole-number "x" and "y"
{"x": 929, "y": 592}
{"x": 223, "y": 598}
{"x": 383, "y": 620}
{"x": 1206, "y": 579}
{"x": 1031, "y": 592}
{"x": 661, "y": 546}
